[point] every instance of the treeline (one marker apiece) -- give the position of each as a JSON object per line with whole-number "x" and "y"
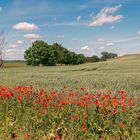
{"x": 41, "y": 53}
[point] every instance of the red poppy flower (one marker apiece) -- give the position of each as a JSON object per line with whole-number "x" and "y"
{"x": 19, "y": 98}
{"x": 130, "y": 101}
{"x": 27, "y": 136}
{"x": 121, "y": 124}
{"x": 84, "y": 127}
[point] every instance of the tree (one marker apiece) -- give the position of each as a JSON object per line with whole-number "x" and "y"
{"x": 60, "y": 52}
{"x": 51, "y": 55}
{"x": 95, "y": 58}
{"x": 34, "y": 55}
{"x": 41, "y": 53}
{"x": 81, "y": 59}
{"x": 112, "y": 55}
{"x": 70, "y": 58}
{"x": 3, "y": 44}
{"x": 92, "y": 59}
{"x": 106, "y": 55}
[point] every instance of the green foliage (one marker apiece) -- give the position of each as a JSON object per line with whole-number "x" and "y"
{"x": 42, "y": 53}
{"x": 106, "y": 55}
{"x": 51, "y": 55}
{"x": 93, "y": 58}
{"x": 33, "y": 55}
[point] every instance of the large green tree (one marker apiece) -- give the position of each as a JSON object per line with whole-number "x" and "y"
{"x": 42, "y": 53}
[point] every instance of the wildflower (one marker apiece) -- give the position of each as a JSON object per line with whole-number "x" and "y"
{"x": 27, "y": 136}
{"x": 31, "y": 87}
{"x": 85, "y": 115}
{"x": 33, "y": 103}
{"x": 8, "y": 94}
{"x": 102, "y": 90}
{"x": 96, "y": 102}
{"x": 122, "y": 92}
{"x": 56, "y": 136}
{"x": 114, "y": 112}
{"x": 19, "y": 98}
{"x": 106, "y": 96}
{"x": 130, "y": 101}
{"x": 64, "y": 86}
{"x": 82, "y": 88}
{"x": 123, "y": 109}
{"x": 119, "y": 92}
{"x": 92, "y": 96}
{"x": 87, "y": 105}
{"x": 102, "y": 138}
{"x": 109, "y": 91}
{"x": 104, "y": 104}
{"x": 121, "y": 125}
{"x": 84, "y": 127}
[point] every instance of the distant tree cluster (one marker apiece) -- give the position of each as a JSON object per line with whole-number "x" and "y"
{"x": 40, "y": 53}
{"x": 106, "y": 55}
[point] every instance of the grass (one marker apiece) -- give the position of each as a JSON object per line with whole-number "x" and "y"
{"x": 121, "y": 73}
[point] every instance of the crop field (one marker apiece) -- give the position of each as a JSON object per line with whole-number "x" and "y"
{"x": 90, "y": 101}
{"x": 121, "y": 73}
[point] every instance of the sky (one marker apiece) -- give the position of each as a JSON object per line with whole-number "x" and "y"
{"x": 83, "y": 26}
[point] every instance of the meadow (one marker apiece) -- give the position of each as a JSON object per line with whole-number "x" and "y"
{"x": 120, "y": 73}
{"x": 89, "y": 101}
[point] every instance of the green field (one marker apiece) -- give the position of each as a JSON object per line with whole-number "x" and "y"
{"x": 69, "y": 112}
{"x": 122, "y": 73}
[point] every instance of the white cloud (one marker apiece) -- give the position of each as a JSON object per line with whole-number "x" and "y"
{"x": 0, "y": 9}
{"x": 100, "y": 40}
{"x": 71, "y": 23}
{"x": 19, "y": 42}
{"x": 78, "y": 18}
{"x": 138, "y": 33}
{"x": 106, "y": 16}
{"x": 126, "y": 39}
{"x": 11, "y": 50}
{"x": 101, "y": 47}
{"x": 86, "y": 48}
{"x": 25, "y": 26}
{"x": 12, "y": 46}
{"x": 110, "y": 44}
{"x": 14, "y": 53}
{"x": 60, "y": 36}
{"x": 32, "y": 36}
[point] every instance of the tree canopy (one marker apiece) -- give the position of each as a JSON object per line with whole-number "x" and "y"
{"x": 41, "y": 53}
{"x": 106, "y": 55}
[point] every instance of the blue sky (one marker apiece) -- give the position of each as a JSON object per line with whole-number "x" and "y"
{"x": 84, "y": 26}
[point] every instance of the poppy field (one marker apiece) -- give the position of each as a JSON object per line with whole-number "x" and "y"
{"x": 67, "y": 114}
{"x": 99, "y": 101}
